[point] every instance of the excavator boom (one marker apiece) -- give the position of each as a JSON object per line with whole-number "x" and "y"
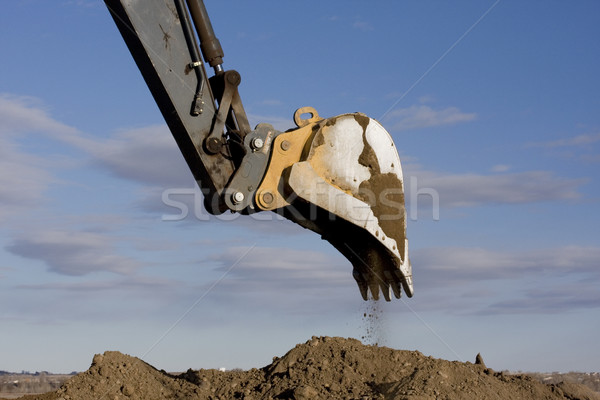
{"x": 340, "y": 177}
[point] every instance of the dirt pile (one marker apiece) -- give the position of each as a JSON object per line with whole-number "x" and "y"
{"x": 321, "y": 368}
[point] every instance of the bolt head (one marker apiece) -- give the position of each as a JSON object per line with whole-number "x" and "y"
{"x": 233, "y": 77}
{"x": 267, "y": 197}
{"x": 237, "y": 197}
{"x": 285, "y": 145}
{"x": 257, "y": 143}
{"x": 213, "y": 145}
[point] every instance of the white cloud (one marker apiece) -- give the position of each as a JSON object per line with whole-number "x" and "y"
{"x": 471, "y": 189}
{"x": 579, "y": 140}
{"x": 123, "y": 283}
{"x": 362, "y": 25}
{"x": 549, "y": 300}
{"x": 73, "y": 253}
{"x": 447, "y": 264}
{"x": 458, "y": 280}
{"x": 261, "y": 265}
{"x": 150, "y": 156}
{"x": 500, "y": 168}
{"x": 541, "y": 280}
{"x": 147, "y": 155}
{"x": 26, "y": 114}
{"x": 24, "y": 179}
{"x": 99, "y": 300}
{"x": 296, "y": 278}
{"x": 423, "y": 116}
{"x": 426, "y": 99}
{"x": 581, "y": 148}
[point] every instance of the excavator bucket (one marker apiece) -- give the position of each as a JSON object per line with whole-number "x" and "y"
{"x": 341, "y": 177}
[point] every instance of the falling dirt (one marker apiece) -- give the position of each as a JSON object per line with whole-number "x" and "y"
{"x": 373, "y": 324}
{"x": 321, "y": 368}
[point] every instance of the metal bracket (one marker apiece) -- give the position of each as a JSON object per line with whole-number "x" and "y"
{"x": 239, "y": 194}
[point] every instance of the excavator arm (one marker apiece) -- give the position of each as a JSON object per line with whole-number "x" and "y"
{"x": 340, "y": 177}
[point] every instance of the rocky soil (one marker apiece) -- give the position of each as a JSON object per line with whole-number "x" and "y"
{"x": 321, "y": 368}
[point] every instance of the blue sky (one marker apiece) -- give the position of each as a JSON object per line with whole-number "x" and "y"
{"x": 493, "y": 106}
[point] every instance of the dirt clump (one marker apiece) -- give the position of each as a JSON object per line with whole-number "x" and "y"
{"x": 321, "y": 368}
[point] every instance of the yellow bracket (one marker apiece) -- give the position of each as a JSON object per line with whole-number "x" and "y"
{"x": 288, "y": 149}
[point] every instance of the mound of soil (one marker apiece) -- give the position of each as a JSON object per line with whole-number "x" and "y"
{"x": 321, "y": 368}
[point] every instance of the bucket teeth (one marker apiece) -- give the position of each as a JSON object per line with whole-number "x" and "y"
{"x": 362, "y": 284}
{"x": 387, "y": 291}
{"x": 397, "y": 289}
{"x": 394, "y": 283}
{"x": 371, "y": 282}
{"x": 374, "y": 287}
{"x": 406, "y": 281}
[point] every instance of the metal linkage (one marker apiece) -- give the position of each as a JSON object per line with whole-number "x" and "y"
{"x": 240, "y": 193}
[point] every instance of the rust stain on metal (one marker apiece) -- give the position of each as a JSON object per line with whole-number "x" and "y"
{"x": 331, "y": 121}
{"x": 367, "y": 158}
{"x": 319, "y": 139}
{"x": 387, "y": 206}
{"x": 384, "y": 193}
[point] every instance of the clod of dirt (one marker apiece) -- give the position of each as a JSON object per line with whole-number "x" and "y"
{"x": 479, "y": 360}
{"x": 321, "y": 368}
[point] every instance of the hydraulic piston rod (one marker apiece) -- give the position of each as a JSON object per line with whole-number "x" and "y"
{"x": 209, "y": 44}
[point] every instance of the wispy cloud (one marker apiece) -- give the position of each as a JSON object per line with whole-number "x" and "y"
{"x": 425, "y": 99}
{"x": 464, "y": 264}
{"x": 93, "y": 299}
{"x": 24, "y": 179}
{"x": 147, "y": 155}
{"x": 582, "y": 148}
{"x": 20, "y": 114}
{"x": 555, "y": 279}
{"x": 549, "y": 300}
{"x": 123, "y": 283}
{"x": 362, "y": 26}
{"x": 298, "y": 279}
{"x": 270, "y": 265}
{"x": 150, "y": 156}
{"x": 472, "y": 189}
{"x": 423, "y": 116}
{"x": 73, "y": 253}
{"x": 575, "y": 141}
{"x": 500, "y": 168}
